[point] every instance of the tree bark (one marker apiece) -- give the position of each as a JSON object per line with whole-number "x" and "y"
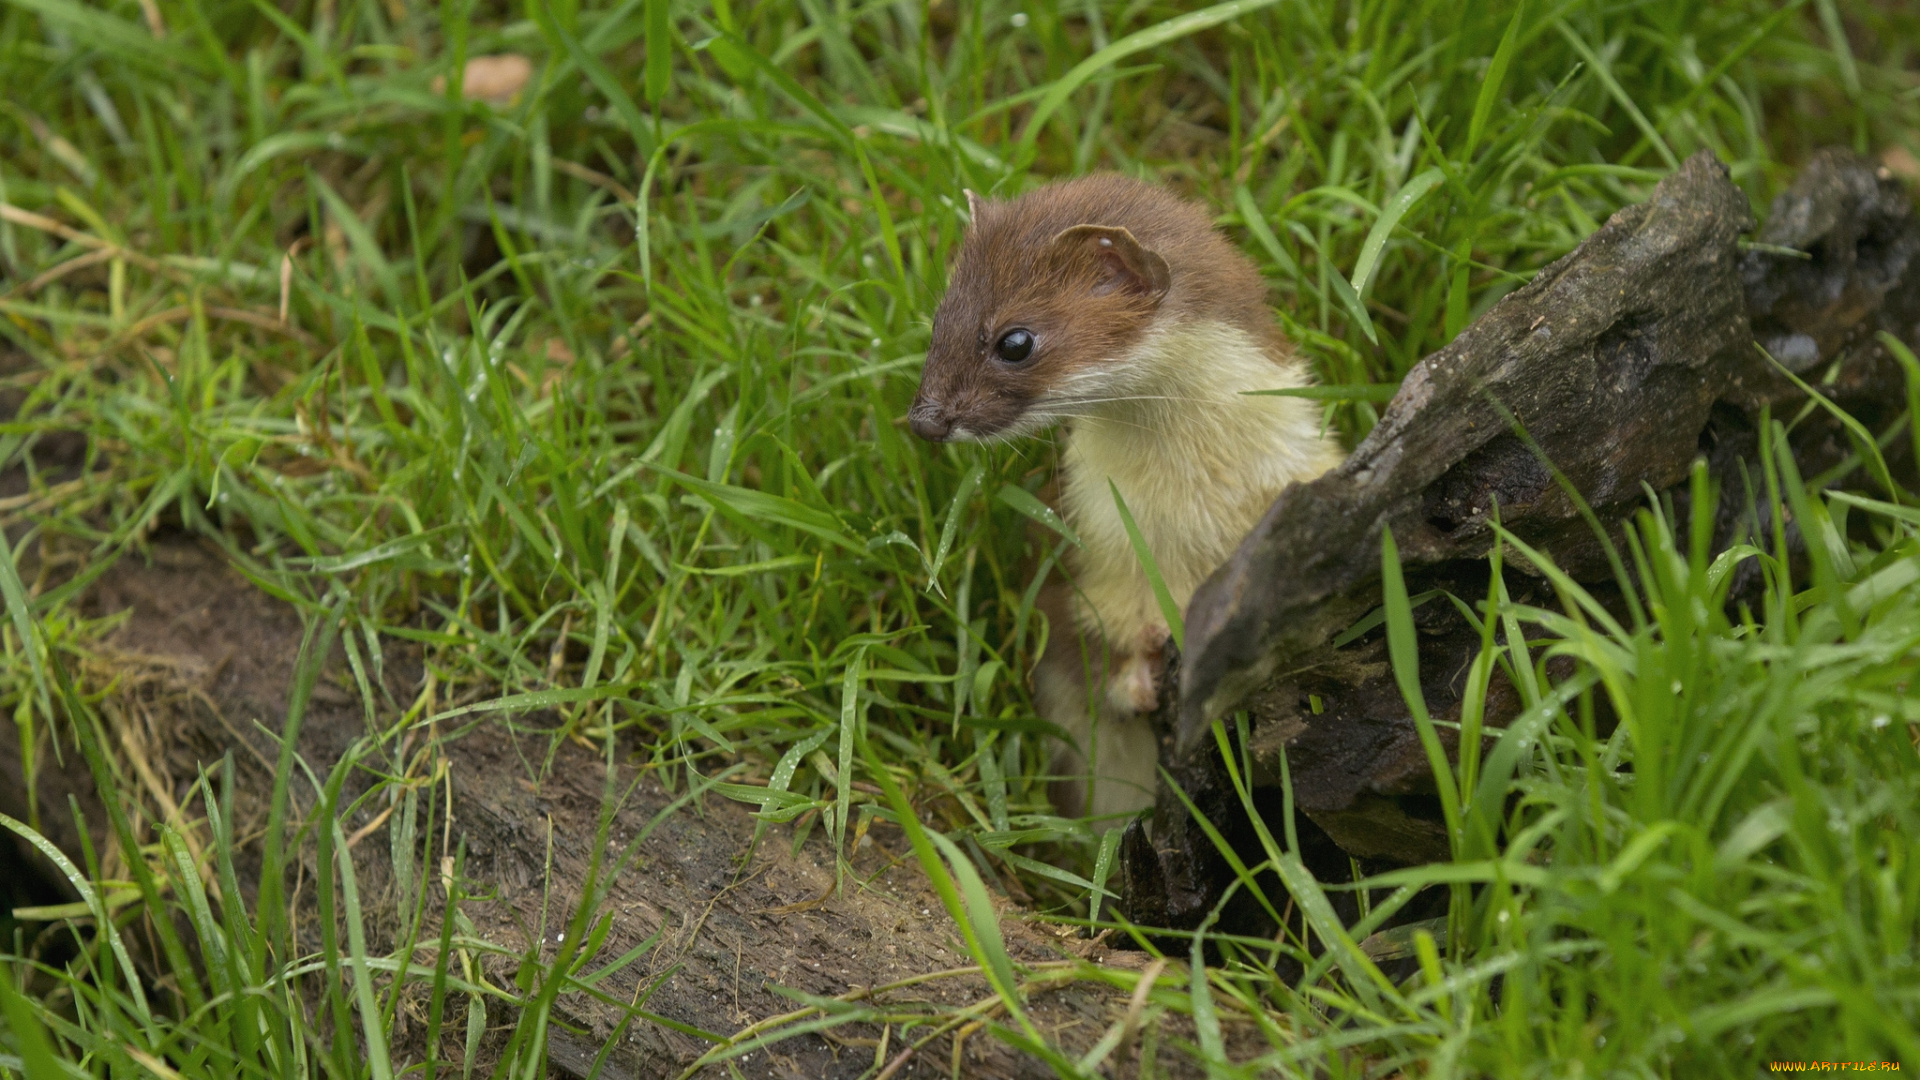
{"x": 1611, "y": 373}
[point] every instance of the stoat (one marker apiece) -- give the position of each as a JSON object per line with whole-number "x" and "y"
{"x": 1115, "y": 307}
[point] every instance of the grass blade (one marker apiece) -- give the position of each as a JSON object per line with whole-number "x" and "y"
{"x": 1494, "y": 81}
{"x": 1039, "y": 512}
{"x": 29, "y": 1033}
{"x": 1404, "y": 651}
{"x": 1169, "y": 610}
{"x": 102, "y": 918}
{"x": 988, "y": 951}
{"x": 1138, "y": 41}
{"x": 1342, "y": 392}
{"x": 1619, "y": 94}
{"x": 1369, "y": 263}
{"x": 955, "y": 510}
{"x": 659, "y": 51}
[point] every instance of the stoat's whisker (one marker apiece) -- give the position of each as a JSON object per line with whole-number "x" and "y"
{"x": 1067, "y": 414}
{"x": 1142, "y": 397}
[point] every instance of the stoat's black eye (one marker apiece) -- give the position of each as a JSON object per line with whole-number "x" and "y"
{"x": 1014, "y": 346}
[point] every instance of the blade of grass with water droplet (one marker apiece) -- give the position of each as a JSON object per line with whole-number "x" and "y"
{"x": 1368, "y": 265}
{"x": 956, "y": 509}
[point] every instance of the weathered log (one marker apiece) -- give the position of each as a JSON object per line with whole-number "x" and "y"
{"x": 1610, "y": 358}
{"x": 1620, "y": 364}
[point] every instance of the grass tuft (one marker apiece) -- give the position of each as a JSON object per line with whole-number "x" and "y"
{"x": 590, "y": 392}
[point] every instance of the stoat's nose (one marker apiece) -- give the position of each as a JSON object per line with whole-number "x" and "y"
{"x": 930, "y": 422}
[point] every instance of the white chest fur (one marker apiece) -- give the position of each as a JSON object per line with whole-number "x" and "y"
{"x": 1196, "y": 459}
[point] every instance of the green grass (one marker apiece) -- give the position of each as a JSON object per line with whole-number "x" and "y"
{"x": 594, "y": 398}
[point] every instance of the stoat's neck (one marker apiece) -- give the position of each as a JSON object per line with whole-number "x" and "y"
{"x": 1197, "y": 461}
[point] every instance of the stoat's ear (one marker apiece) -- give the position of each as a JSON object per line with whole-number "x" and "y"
{"x": 1125, "y": 264}
{"x": 974, "y": 206}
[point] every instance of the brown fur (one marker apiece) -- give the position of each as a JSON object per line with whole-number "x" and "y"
{"x": 1025, "y": 264}
{"x": 1149, "y": 328}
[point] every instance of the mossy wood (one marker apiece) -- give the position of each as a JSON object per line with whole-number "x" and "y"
{"x": 1616, "y": 367}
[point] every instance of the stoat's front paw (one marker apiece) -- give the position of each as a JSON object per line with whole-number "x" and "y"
{"x": 1135, "y": 685}
{"x": 1133, "y": 688}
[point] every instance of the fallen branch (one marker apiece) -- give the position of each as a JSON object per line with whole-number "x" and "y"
{"x": 1612, "y": 371}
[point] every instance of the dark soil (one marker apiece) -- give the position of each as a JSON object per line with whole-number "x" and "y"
{"x": 203, "y": 662}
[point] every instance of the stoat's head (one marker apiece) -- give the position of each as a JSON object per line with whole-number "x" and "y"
{"x": 1049, "y": 295}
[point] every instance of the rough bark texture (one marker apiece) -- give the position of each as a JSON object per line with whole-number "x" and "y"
{"x": 1620, "y": 364}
